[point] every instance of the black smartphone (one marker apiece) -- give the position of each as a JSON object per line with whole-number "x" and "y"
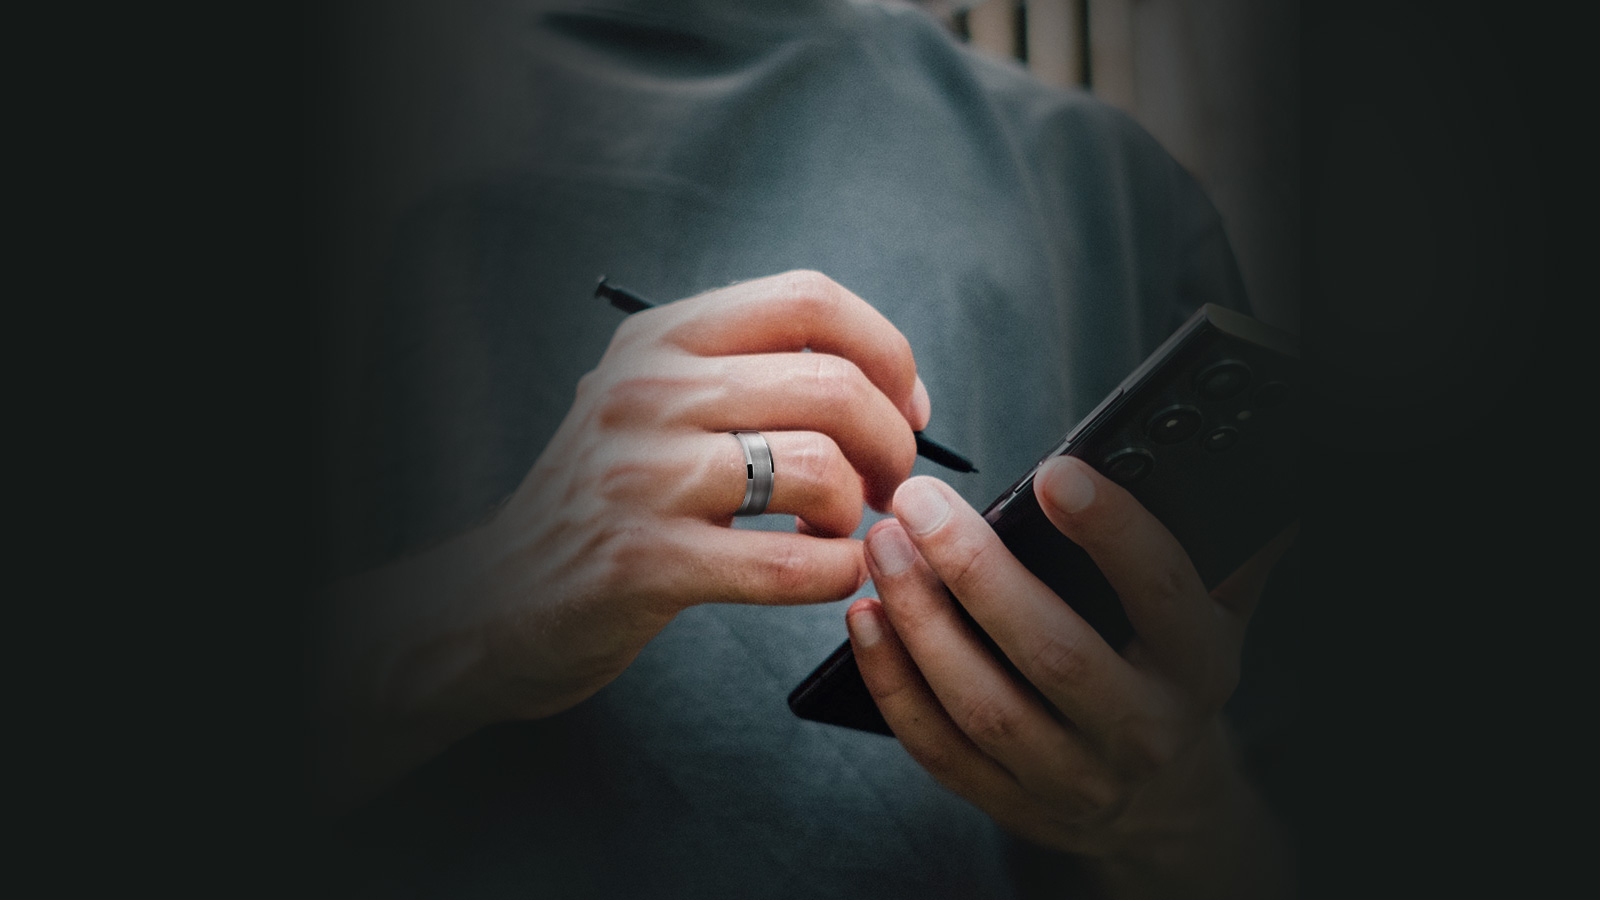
{"x": 1204, "y": 433}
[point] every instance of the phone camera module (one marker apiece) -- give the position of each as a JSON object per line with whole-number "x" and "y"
{"x": 1271, "y": 394}
{"x": 1173, "y": 424}
{"x": 1222, "y": 380}
{"x": 1221, "y": 438}
{"x": 1128, "y": 465}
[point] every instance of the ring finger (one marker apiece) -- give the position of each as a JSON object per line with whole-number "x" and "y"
{"x": 811, "y": 392}
{"x": 811, "y": 479}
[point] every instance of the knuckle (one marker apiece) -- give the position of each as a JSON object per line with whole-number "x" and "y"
{"x": 811, "y": 295}
{"x": 1060, "y": 660}
{"x": 789, "y": 572}
{"x": 965, "y": 561}
{"x": 989, "y": 721}
{"x": 836, "y": 381}
{"x": 1167, "y": 586}
{"x": 815, "y": 461}
{"x": 808, "y": 284}
{"x": 914, "y": 613}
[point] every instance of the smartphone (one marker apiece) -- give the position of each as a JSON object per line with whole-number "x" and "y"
{"x": 1204, "y": 433}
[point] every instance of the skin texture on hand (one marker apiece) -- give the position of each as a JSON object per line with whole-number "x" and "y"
{"x": 623, "y": 521}
{"x": 1122, "y": 759}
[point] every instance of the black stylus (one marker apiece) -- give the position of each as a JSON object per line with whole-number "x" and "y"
{"x": 630, "y": 303}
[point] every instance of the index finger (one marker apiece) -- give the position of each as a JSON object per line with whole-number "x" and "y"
{"x": 803, "y": 310}
{"x": 1186, "y": 632}
{"x": 1047, "y": 641}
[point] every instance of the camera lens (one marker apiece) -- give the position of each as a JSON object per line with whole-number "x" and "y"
{"x": 1173, "y": 424}
{"x": 1222, "y": 380}
{"x": 1221, "y": 438}
{"x": 1271, "y": 394}
{"x": 1128, "y": 465}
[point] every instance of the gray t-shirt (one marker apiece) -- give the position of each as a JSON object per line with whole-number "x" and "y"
{"x": 1032, "y": 244}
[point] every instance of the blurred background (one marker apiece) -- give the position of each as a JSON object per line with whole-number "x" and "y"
{"x": 1218, "y": 83}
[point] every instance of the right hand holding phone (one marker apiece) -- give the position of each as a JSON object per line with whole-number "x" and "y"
{"x": 1120, "y": 758}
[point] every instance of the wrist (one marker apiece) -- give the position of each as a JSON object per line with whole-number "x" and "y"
{"x": 402, "y": 667}
{"x": 1199, "y": 830}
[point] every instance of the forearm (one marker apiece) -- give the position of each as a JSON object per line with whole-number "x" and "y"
{"x": 401, "y": 669}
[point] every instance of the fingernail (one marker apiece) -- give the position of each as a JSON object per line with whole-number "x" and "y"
{"x": 921, "y": 406}
{"x": 891, "y": 551}
{"x": 1066, "y": 485}
{"x": 921, "y": 506}
{"x": 864, "y": 628}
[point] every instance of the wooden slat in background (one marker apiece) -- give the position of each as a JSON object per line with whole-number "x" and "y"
{"x": 1215, "y": 81}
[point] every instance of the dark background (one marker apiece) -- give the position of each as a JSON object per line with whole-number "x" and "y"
{"x": 1450, "y": 486}
{"x": 1447, "y": 222}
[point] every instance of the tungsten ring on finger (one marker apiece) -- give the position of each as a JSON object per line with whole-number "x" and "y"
{"x": 758, "y": 473}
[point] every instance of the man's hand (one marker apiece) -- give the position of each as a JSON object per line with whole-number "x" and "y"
{"x": 1119, "y": 758}
{"x": 623, "y": 520}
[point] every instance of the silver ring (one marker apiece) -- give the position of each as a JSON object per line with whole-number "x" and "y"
{"x": 758, "y": 473}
